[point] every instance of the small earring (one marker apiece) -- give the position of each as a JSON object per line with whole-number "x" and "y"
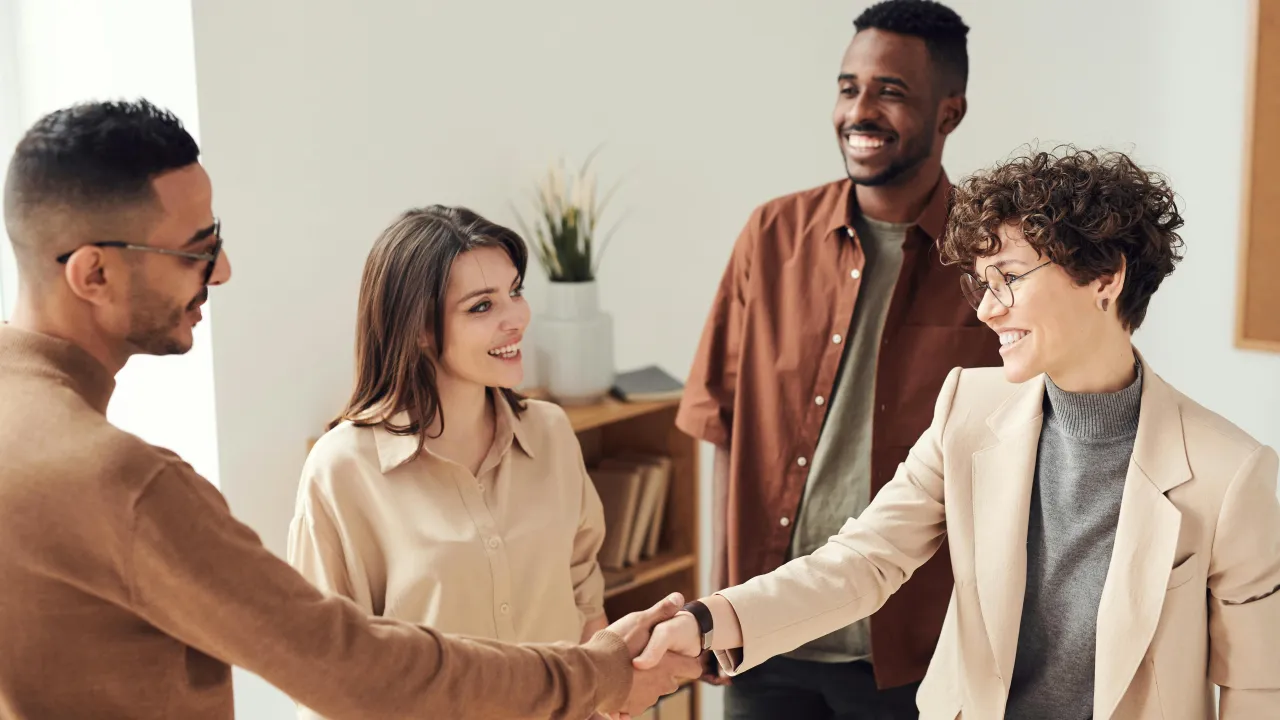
{"x": 1104, "y": 304}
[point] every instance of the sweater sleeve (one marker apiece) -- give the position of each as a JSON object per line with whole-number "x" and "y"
{"x": 205, "y": 579}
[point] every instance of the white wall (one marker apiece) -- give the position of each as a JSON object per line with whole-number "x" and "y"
{"x": 10, "y": 130}
{"x": 321, "y": 121}
{"x": 68, "y": 51}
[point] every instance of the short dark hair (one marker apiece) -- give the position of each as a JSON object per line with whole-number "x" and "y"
{"x": 92, "y": 156}
{"x": 942, "y": 30}
{"x": 1086, "y": 211}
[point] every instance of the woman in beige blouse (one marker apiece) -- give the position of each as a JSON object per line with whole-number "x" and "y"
{"x": 439, "y": 496}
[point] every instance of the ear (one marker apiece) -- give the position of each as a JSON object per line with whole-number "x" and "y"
{"x": 427, "y": 344}
{"x": 951, "y": 111}
{"x": 89, "y": 277}
{"x": 1107, "y": 288}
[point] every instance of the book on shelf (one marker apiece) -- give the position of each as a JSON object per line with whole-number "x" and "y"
{"x": 647, "y": 384}
{"x": 633, "y": 489}
{"x": 619, "y": 490}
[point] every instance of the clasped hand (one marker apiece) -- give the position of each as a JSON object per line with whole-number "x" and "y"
{"x": 662, "y": 654}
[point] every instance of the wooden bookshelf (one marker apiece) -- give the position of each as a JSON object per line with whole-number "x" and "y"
{"x": 613, "y": 427}
{"x": 647, "y": 571}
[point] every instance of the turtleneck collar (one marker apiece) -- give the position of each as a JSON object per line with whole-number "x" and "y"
{"x": 1094, "y": 416}
{"x": 66, "y": 362}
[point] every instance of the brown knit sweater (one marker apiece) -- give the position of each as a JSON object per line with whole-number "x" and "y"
{"x": 127, "y": 589}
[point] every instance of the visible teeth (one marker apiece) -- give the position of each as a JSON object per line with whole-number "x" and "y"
{"x": 1009, "y": 338}
{"x": 506, "y": 351}
{"x": 864, "y": 142}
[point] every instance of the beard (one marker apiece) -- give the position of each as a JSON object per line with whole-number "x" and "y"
{"x": 914, "y": 152}
{"x": 155, "y": 320}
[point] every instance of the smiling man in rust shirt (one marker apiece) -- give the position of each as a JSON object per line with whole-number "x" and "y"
{"x": 833, "y": 329}
{"x": 127, "y": 589}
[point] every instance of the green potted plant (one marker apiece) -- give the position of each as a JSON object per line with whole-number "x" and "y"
{"x": 573, "y": 337}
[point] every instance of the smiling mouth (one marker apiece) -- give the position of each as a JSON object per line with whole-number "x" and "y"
{"x": 506, "y": 352}
{"x": 1012, "y": 337}
{"x": 860, "y": 144}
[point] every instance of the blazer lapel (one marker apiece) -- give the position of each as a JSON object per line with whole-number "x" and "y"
{"x": 1145, "y": 544}
{"x": 1002, "y": 480}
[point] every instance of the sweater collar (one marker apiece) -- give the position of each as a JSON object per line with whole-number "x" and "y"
{"x": 22, "y": 351}
{"x": 1094, "y": 416}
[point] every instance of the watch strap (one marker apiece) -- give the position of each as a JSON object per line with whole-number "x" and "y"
{"x": 702, "y": 614}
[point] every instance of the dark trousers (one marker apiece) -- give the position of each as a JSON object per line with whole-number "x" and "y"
{"x": 801, "y": 690}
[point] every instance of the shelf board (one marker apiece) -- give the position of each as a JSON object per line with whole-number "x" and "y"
{"x": 646, "y": 571}
{"x": 607, "y": 410}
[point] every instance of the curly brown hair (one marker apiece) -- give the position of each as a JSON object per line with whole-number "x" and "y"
{"x": 1086, "y": 211}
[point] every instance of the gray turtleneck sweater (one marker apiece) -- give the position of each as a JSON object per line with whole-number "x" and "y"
{"x": 1086, "y": 441}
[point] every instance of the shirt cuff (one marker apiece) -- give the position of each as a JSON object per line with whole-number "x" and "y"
{"x": 699, "y": 425}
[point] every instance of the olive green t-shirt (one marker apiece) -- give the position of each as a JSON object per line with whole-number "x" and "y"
{"x": 839, "y": 482}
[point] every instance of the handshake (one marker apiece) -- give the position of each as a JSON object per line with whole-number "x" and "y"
{"x": 664, "y": 650}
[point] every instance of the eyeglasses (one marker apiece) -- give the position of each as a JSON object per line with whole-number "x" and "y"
{"x": 1000, "y": 284}
{"x": 210, "y": 257}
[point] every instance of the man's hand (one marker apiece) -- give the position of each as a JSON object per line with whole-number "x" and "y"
{"x": 648, "y": 686}
{"x": 663, "y": 676}
{"x": 712, "y": 674}
{"x": 678, "y": 635}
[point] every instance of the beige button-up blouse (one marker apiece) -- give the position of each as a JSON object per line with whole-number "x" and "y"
{"x": 509, "y": 554}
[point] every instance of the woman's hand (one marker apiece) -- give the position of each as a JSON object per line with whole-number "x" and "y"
{"x": 679, "y": 635}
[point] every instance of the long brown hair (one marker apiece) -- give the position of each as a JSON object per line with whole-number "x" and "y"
{"x": 401, "y": 293}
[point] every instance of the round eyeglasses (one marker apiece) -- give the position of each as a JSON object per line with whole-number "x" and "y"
{"x": 999, "y": 283}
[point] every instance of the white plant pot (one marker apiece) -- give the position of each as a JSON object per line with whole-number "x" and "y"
{"x": 574, "y": 341}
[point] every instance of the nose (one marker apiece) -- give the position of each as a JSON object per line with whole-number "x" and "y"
{"x": 516, "y": 319}
{"x": 221, "y": 269}
{"x": 990, "y": 307}
{"x": 863, "y": 109}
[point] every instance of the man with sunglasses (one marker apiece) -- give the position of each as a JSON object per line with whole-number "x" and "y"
{"x": 127, "y": 590}
{"x": 161, "y": 325}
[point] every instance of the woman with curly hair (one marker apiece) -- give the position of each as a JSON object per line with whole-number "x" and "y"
{"x": 1115, "y": 545}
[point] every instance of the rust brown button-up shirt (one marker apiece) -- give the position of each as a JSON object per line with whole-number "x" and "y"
{"x": 768, "y": 350}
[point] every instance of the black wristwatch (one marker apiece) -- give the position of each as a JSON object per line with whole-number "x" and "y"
{"x": 702, "y": 614}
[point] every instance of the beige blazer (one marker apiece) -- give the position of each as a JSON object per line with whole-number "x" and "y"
{"x": 1190, "y": 598}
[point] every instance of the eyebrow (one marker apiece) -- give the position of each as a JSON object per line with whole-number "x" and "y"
{"x": 1002, "y": 265}
{"x": 485, "y": 291}
{"x": 202, "y": 234}
{"x": 883, "y": 79}
{"x": 476, "y": 293}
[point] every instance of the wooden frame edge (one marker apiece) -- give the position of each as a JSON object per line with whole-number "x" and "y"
{"x": 1242, "y": 342}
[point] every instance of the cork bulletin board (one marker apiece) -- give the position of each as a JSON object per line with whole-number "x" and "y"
{"x": 1258, "y": 298}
